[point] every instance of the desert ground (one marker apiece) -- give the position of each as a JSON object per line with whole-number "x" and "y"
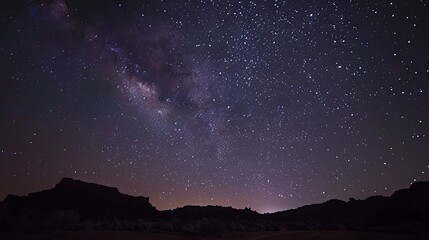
{"x": 280, "y": 235}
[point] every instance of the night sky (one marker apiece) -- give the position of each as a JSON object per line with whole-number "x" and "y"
{"x": 264, "y": 104}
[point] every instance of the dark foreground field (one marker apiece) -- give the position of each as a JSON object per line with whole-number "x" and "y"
{"x": 289, "y": 235}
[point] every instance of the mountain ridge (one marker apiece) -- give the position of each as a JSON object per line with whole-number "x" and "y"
{"x": 90, "y": 200}
{"x": 68, "y": 181}
{"x": 406, "y": 210}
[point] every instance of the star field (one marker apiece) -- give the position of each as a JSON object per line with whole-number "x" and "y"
{"x": 264, "y": 104}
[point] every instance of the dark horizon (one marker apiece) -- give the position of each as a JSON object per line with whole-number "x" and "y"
{"x": 78, "y": 185}
{"x": 75, "y": 208}
{"x": 264, "y": 104}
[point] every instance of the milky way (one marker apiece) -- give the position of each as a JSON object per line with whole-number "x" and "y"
{"x": 262, "y": 104}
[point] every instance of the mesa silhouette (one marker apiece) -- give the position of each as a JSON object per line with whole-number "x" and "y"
{"x": 78, "y": 205}
{"x": 89, "y": 200}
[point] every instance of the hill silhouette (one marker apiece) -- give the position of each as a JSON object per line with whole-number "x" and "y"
{"x": 89, "y": 200}
{"x": 74, "y": 205}
{"x": 406, "y": 210}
